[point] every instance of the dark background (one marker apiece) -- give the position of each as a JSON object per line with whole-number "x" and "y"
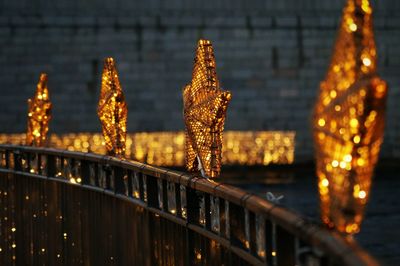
{"x": 270, "y": 54}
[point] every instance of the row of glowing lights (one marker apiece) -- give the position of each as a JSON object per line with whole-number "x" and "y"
{"x": 167, "y": 148}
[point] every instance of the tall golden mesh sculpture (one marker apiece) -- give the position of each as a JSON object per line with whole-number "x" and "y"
{"x": 349, "y": 121}
{"x": 205, "y": 105}
{"x": 112, "y": 110}
{"x": 39, "y": 114}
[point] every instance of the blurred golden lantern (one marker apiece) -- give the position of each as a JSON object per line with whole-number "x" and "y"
{"x": 349, "y": 121}
{"x": 205, "y": 105}
{"x": 39, "y": 114}
{"x": 112, "y": 110}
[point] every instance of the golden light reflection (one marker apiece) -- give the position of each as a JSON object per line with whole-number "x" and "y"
{"x": 205, "y": 105}
{"x": 39, "y": 114}
{"x": 112, "y": 110}
{"x": 168, "y": 148}
{"x": 351, "y": 105}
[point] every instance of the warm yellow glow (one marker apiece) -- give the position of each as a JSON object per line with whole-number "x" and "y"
{"x": 205, "y": 105}
{"x": 351, "y": 103}
{"x": 353, "y": 122}
{"x": 352, "y": 228}
{"x": 353, "y": 27}
{"x": 112, "y": 110}
{"x": 347, "y": 158}
{"x": 366, "y": 61}
{"x": 39, "y": 114}
{"x": 198, "y": 254}
{"x": 273, "y": 253}
{"x": 168, "y": 148}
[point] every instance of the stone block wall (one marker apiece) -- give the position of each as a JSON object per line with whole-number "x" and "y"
{"x": 270, "y": 54}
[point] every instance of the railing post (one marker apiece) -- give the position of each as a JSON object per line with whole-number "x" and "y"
{"x": 8, "y": 159}
{"x": 178, "y": 202}
{"x": 164, "y": 192}
{"x": 85, "y": 172}
{"x": 237, "y": 225}
{"x": 207, "y": 211}
{"x": 252, "y": 233}
{"x": 17, "y": 160}
{"x": 119, "y": 180}
{"x": 192, "y": 205}
{"x": 152, "y": 193}
{"x": 285, "y": 247}
{"x": 51, "y": 166}
{"x": 192, "y": 209}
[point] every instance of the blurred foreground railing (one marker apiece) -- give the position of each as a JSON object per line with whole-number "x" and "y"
{"x": 66, "y": 208}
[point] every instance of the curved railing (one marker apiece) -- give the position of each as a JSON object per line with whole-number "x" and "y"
{"x": 60, "y": 207}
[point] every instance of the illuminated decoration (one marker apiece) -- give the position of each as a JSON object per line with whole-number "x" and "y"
{"x": 39, "y": 114}
{"x": 112, "y": 110}
{"x": 168, "y": 148}
{"x": 349, "y": 121}
{"x": 205, "y": 105}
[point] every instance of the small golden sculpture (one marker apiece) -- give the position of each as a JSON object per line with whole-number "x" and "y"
{"x": 205, "y": 105}
{"x": 112, "y": 110}
{"x": 349, "y": 121}
{"x": 39, "y": 114}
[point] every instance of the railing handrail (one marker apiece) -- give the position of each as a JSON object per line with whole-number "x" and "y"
{"x": 331, "y": 244}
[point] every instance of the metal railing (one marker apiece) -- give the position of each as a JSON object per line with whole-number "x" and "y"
{"x": 70, "y": 208}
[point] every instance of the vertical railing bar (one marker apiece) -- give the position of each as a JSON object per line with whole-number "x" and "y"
{"x": 119, "y": 185}
{"x": 207, "y": 211}
{"x": 273, "y": 251}
{"x": 252, "y": 229}
{"x": 17, "y": 161}
{"x": 141, "y": 178}
{"x": 165, "y": 195}
{"x": 178, "y": 200}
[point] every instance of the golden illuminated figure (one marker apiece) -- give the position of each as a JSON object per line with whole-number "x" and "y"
{"x": 112, "y": 110}
{"x": 349, "y": 121}
{"x": 39, "y": 114}
{"x": 205, "y": 105}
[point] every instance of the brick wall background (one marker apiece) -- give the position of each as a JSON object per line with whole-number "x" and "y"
{"x": 270, "y": 54}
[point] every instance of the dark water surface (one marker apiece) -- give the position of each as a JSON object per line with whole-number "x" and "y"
{"x": 380, "y": 231}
